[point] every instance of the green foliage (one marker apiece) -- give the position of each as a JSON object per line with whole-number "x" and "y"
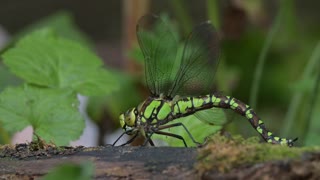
{"x": 4, "y": 135}
{"x": 54, "y": 70}
{"x": 6, "y": 78}
{"x": 302, "y": 88}
{"x": 261, "y": 62}
{"x": 70, "y": 171}
{"x": 313, "y": 125}
{"x": 213, "y": 12}
{"x": 286, "y": 52}
{"x": 63, "y": 25}
{"x": 61, "y": 22}
{"x": 116, "y": 102}
{"x": 44, "y": 59}
{"x": 312, "y": 136}
{"x": 180, "y": 10}
{"x": 155, "y": 37}
{"x": 53, "y": 113}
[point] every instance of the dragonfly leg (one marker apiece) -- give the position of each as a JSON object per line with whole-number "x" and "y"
{"x": 118, "y": 138}
{"x": 185, "y": 128}
{"x": 151, "y": 142}
{"x": 148, "y": 139}
{"x": 130, "y": 140}
{"x": 172, "y": 135}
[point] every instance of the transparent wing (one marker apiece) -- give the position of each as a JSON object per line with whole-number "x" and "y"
{"x": 213, "y": 116}
{"x": 198, "y": 129}
{"x": 159, "y": 47}
{"x": 198, "y": 64}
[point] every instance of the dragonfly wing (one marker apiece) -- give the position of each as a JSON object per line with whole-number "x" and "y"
{"x": 199, "y": 61}
{"x": 198, "y": 129}
{"x": 159, "y": 47}
{"x": 213, "y": 116}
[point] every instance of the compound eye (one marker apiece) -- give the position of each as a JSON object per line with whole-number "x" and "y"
{"x": 121, "y": 120}
{"x": 130, "y": 118}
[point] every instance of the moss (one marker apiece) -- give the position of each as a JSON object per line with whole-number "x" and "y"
{"x": 223, "y": 154}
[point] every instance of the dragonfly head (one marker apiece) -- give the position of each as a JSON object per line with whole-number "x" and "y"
{"x": 128, "y": 120}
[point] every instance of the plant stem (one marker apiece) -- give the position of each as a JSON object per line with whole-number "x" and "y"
{"x": 261, "y": 61}
{"x": 314, "y": 97}
{"x": 297, "y": 97}
{"x": 180, "y": 10}
{"x": 213, "y": 13}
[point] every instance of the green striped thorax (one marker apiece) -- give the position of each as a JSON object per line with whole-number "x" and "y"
{"x": 150, "y": 111}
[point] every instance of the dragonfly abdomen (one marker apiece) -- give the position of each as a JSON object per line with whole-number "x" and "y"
{"x": 190, "y": 105}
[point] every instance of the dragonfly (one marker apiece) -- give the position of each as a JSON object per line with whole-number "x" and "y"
{"x": 181, "y": 84}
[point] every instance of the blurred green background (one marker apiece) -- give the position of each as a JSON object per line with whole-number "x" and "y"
{"x": 270, "y": 54}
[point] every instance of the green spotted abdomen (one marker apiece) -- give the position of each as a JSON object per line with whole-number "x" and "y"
{"x": 190, "y": 105}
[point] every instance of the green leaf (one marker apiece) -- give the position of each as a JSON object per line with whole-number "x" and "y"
{"x": 64, "y": 24}
{"x": 4, "y": 136}
{"x": 70, "y": 171}
{"x": 95, "y": 83}
{"x": 44, "y": 59}
{"x": 116, "y": 102}
{"x": 304, "y": 86}
{"x": 313, "y": 136}
{"x": 7, "y": 78}
{"x": 61, "y": 22}
{"x": 53, "y": 113}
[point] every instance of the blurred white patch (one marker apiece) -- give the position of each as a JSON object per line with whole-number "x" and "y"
{"x": 23, "y": 136}
{"x": 110, "y": 138}
{"x": 90, "y": 133}
{"x": 4, "y": 37}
